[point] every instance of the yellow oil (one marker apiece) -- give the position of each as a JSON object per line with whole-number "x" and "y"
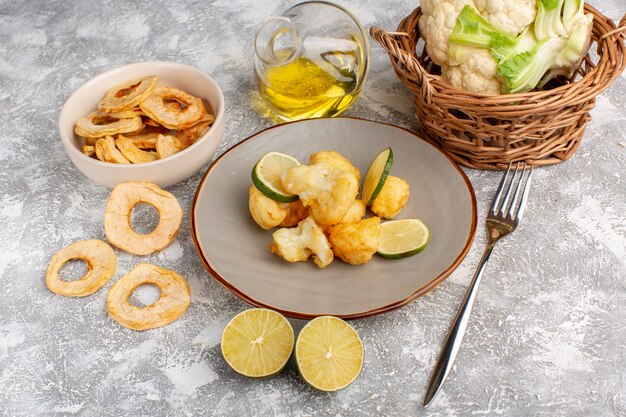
{"x": 303, "y": 89}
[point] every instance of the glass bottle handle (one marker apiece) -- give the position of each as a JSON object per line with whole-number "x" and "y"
{"x": 277, "y": 42}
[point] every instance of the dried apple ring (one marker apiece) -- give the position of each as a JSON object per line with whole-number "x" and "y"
{"x": 107, "y": 152}
{"x": 173, "y": 108}
{"x": 173, "y": 302}
{"x": 135, "y": 155}
{"x": 101, "y": 264}
{"x": 139, "y": 131}
{"x": 145, "y": 141}
{"x": 97, "y": 125}
{"x": 125, "y": 114}
{"x": 117, "y": 226}
{"x": 149, "y": 122}
{"x": 127, "y": 95}
{"x": 167, "y": 145}
{"x": 90, "y": 141}
{"x": 189, "y": 135}
{"x": 89, "y": 150}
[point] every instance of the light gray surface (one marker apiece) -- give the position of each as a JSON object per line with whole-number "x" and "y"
{"x": 547, "y": 335}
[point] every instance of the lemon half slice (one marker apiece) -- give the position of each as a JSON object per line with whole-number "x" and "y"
{"x": 376, "y": 176}
{"x": 329, "y": 353}
{"x": 402, "y": 238}
{"x": 266, "y": 176}
{"x": 257, "y": 342}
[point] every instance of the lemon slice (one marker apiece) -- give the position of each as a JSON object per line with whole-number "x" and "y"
{"x": 402, "y": 238}
{"x": 377, "y": 175}
{"x": 257, "y": 342}
{"x": 329, "y": 353}
{"x": 266, "y": 176}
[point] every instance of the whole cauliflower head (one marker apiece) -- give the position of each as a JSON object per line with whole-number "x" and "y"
{"x": 299, "y": 243}
{"x": 268, "y": 213}
{"x": 510, "y": 16}
{"x": 478, "y": 73}
{"x": 392, "y": 198}
{"x": 328, "y": 192}
{"x": 356, "y": 243}
{"x": 436, "y": 24}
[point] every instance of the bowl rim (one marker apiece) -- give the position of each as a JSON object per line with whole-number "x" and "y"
{"x": 67, "y": 141}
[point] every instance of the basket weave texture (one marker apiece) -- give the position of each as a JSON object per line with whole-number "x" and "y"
{"x": 488, "y": 131}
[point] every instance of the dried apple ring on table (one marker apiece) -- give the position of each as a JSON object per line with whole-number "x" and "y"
{"x": 173, "y": 302}
{"x": 173, "y": 108}
{"x": 117, "y": 227}
{"x": 189, "y": 135}
{"x": 101, "y": 264}
{"x": 98, "y": 125}
{"x": 107, "y": 152}
{"x": 135, "y": 155}
{"x": 127, "y": 95}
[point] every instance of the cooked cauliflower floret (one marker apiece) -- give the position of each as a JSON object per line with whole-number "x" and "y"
{"x": 297, "y": 213}
{"x": 356, "y": 243}
{"x": 335, "y": 160}
{"x": 392, "y": 198}
{"x": 355, "y": 212}
{"x": 299, "y": 243}
{"x": 268, "y": 213}
{"x": 327, "y": 191}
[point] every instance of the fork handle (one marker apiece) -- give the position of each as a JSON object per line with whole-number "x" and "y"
{"x": 455, "y": 337}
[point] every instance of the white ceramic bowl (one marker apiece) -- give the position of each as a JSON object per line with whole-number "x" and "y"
{"x": 163, "y": 172}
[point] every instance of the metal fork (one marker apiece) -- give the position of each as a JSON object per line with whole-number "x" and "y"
{"x": 503, "y": 217}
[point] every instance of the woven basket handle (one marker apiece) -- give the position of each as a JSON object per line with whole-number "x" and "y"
{"x": 621, "y": 29}
{"x": 401, "y": 47}
{"x": 613, "y": 40}
{"x": 395, "y": 43}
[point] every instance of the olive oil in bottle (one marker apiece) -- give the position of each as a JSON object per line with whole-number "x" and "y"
{"x": 302, "y": 88}
{"x": 311, "y": 61}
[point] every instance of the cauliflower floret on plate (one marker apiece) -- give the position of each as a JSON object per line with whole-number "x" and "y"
{"x": 354, "y": 213}
{"x": 327, "y": 191}
{"x": 299, "y": 243}
{"x": 356, "y": 243}
{"x": 268, "y": 213}
{"x": 297, "y": 212}
{"x": 392, "y": 198}
{"x": 335, "y": 160}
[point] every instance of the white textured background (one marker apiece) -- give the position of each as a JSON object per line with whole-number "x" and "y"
{"x": 547, "y": 337}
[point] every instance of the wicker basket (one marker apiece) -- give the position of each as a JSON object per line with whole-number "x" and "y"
{"x": 488, "y": 131}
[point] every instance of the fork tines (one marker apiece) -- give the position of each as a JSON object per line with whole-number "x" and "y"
{"x": 513, "y": 209}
